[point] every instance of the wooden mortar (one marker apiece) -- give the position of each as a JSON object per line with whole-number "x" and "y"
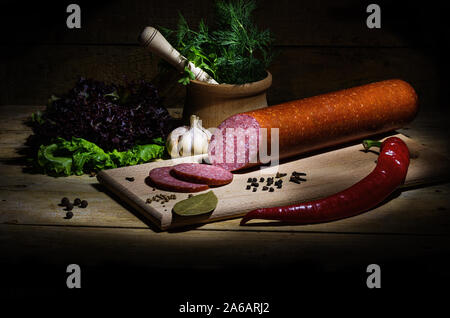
{"x": 214, "y": 103}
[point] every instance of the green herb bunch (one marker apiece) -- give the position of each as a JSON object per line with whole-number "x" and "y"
{"x": 234, "y": 52}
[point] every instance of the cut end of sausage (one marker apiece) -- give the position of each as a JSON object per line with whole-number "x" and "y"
{"x": 202, "y": 173}
{"x": 235, "y": 143}
{"x": 162, "y": 179}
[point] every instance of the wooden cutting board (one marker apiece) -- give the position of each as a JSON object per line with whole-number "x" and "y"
{"x": 327, "y": 172}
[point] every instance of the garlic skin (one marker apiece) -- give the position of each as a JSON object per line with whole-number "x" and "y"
{"x": 188, "y": 141}
{"x": 172, "y": 142}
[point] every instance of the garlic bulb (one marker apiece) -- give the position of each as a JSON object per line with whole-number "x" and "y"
{"x": 188, "y": 141}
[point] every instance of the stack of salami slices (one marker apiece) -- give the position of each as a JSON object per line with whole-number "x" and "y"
{"x": 189, "y": 177}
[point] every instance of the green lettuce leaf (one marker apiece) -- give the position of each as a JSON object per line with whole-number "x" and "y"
{"x": 78, "y": 156}
{"x": 52, "y": 164}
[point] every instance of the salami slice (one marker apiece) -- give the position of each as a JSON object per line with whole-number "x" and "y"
{"x": 162, "y": 179}
{"x": 305, "y": 125}
{"x": 202, "y": 173}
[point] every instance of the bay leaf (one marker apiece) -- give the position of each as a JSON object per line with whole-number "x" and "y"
{"x": 196, "y": 205}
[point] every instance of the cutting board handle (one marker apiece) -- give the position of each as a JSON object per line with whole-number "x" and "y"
{"x": 156, "y": 43}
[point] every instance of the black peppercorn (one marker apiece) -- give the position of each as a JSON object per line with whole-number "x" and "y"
{"x": 69, "y": 206}
{"x": 77, "y": 201}
{"x": 69, "y": 215}
{"x": 294, "y": 179}
{"x": 271, "y": 189}
{"x": 248, "y": 187}
{"x": 83, "y": 204}
{"x": 280, "y": 175}
{"x": 254, "y": 189}
{"x": 65, "y": 201}
{"x": 131, "y": 179}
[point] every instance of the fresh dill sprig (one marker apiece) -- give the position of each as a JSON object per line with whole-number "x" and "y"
{"x": 234, "y": 52}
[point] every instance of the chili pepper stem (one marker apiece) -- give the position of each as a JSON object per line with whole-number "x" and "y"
{"x": 371, "y": 143}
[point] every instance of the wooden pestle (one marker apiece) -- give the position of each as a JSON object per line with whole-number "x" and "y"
{"x": 156, "y": 43}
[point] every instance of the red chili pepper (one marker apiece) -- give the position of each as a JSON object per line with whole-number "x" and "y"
{"x": 390, "y": 172}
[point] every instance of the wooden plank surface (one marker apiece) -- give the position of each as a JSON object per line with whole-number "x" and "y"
{"x": 408, "y": 235}
{"x": 327, "y": 173}
{"x": 33, "y": 199}
{"x": 332, "y": 251}
{"x": 118, "y": 263}
{"x": 297, "y": 72}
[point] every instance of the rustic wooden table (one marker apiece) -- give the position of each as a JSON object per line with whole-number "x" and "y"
{"x": 408, "y": 235}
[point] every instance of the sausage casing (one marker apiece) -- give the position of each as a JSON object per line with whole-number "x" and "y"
{"x": 312, "y": 123}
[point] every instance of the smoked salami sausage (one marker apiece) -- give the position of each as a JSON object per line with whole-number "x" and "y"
{"x": 312, "y": 123}
{"x": 162, "y": 179}
{"x": 201, "y": 173}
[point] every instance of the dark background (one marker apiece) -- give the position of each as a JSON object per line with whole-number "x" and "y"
{"x": 323, "y": 46}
